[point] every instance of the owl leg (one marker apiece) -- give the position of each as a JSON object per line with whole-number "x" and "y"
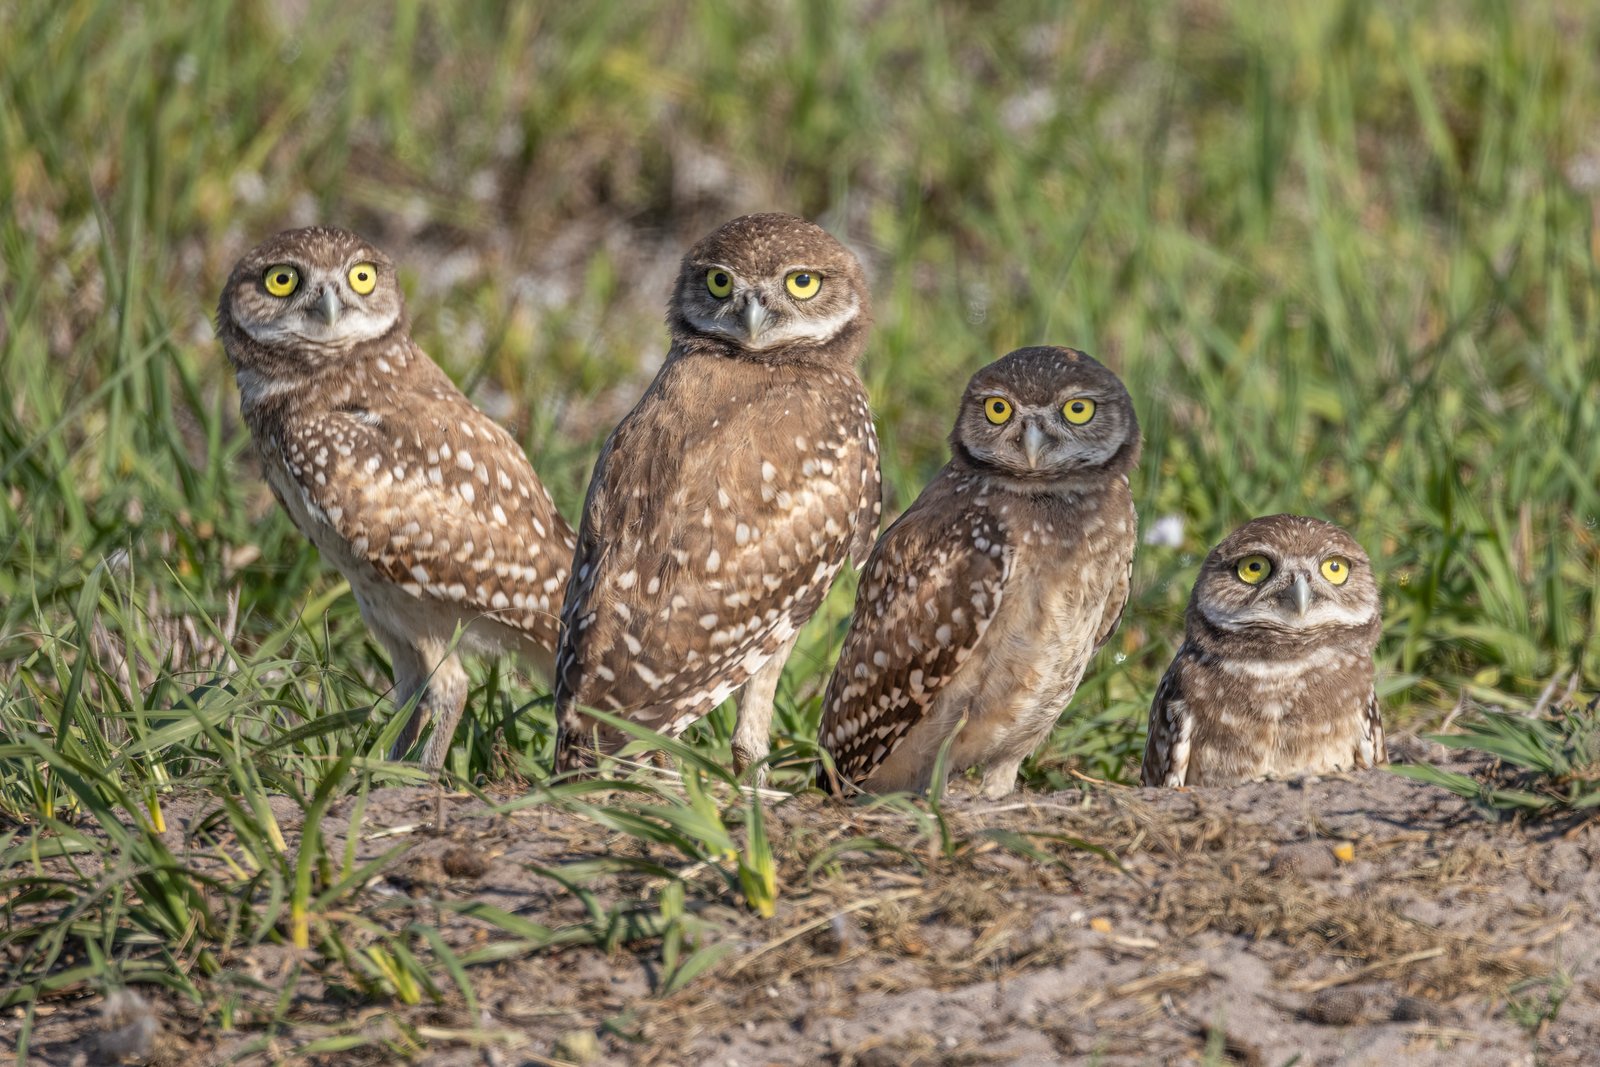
{"x": 443, "y": 685}
{"x": 753, "y": 732}
{"x": 1000, "y": 777}
{"x": 581, "y": 741}
{"x": 447, "y": 699}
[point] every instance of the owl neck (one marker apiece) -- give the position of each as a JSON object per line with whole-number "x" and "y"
{"x": 1286, "y": 644}
{"x": 1090, "y": 481}
{"x": 842, "y": 349}
{"x": 276, "y": 367}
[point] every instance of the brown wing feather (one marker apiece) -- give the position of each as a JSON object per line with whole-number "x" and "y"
{"x": 1117, "y": 600}
{"x": 928, "y": 592}
{"x": 719, "y": 513}
{"x": 1167, "y": 744}
{"x": 460, "y": 519}
{"x": 1372, "y": 749}
{"x": 869, "y": 502}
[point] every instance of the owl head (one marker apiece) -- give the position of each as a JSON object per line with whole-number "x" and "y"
{"x": 309, "y": 294}
{"x": 1046, "y": 414}
{"x": 771, "y": 286}
{"x": 1286, "y": 575}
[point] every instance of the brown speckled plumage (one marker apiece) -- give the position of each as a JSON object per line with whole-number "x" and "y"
{"x": 1273, "y": 679}
{"x": 425, "y": 504}
{"x": 724, "y": 504}
{"x": 986, "y": 600}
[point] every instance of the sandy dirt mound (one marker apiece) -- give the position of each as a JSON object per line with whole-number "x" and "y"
{"x": 1363, "y": 919}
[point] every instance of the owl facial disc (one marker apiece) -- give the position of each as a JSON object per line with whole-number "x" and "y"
{"x": 762, "y": 283}
{"x": 320, "y": 291}
{"x": 1287, "y": 574}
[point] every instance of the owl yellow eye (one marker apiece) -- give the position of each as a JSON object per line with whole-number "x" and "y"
{"x": 998, "y": 409}
{"x": 802, "y": 284}
{"x": 363, "y": 278}
{"x": 719, "y": 283}
{"x": 1253, "y": 570}
{"x": 281, "y": 280}
{"x": 1078, "y": 411}
{"x": 1336, "y": 569}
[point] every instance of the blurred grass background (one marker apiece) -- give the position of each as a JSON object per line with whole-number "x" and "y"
{"x": 1344, "y": 253}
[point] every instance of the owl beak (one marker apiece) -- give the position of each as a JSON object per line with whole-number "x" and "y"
{"x": 1301, "y": 591}
{"x": 1032, "y": 443}
{"x": 755, "y": 318}
{"x": 330, "y": 306}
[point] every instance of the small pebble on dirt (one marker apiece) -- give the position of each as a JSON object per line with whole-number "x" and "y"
{"x": 577, "y": 1046}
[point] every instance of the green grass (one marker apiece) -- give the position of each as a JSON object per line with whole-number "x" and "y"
{"x": 1547, "y": 766}
{"x": 1345, "y": 254}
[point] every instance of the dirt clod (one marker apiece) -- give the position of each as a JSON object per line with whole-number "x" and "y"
{"x": 1307, "y": 859}
{"x": 458, "y": 861}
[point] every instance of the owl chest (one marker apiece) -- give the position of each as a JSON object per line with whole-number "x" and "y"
{"x": 1034, "y": 652}
{"x": 312, "y": 520}
{"x": 765, "y": 486}
{"x": 1266, "y": 719}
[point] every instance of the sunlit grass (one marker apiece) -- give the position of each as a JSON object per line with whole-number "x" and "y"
{"x": 1345, "y": 255}
{"x": 1545, "y": 766}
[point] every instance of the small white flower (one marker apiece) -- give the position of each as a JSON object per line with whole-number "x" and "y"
{"x": 1167, "y": 531}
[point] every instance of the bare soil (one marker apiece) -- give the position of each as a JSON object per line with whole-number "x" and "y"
{"x": 1360, "y": 919}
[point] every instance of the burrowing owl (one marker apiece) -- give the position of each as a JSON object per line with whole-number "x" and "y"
{"x": 428, "y": 507}
{"x": 981, "y": 606}
{"x": 726, "y": 501}
{"x": 1274, "y": 677}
